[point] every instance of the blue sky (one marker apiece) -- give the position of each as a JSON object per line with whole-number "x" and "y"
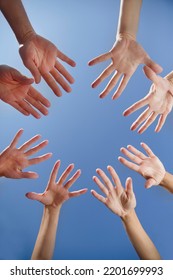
{"x": 87, "y": 131}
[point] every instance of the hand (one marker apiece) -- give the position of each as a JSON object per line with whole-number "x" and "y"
{"x": 40, "y": 57}
{"x": 150, "y": 167}
{"x": 56, "y": 193}
{"x": 159, "y": 101}
{"x": 16, "y": 90}
{"x": 119, "y": 200}
{"x": 126, "y": 55}
{"x": 13, "y": 160}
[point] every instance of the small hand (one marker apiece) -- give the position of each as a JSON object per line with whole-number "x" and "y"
{"x": 119, "y": 200}
{"x": 56, "y": 193}
{"x": 159, "y": 101}
{"x": 16, "y": 90}
{"x": 13, "y": 160}
{"x": 40, "y": 57}
{"x": 150, "y": 167}
{"x": 126, "y": 55}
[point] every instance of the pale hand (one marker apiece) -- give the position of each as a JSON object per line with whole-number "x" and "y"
{"x": 118, "y": 199}
{"x": 13, "y": 160}
{"x": 16, "y": 90}
{"x": 56, "y": 193}
{"x": 150, "y": 167}
{"x": 126, "y": 55}
{"x": 159, "y": 101}
{"x": 40, "y": 56}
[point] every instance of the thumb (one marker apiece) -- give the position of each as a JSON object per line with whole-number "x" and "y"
{"x": 18, "y": 77}
{"x": 29, "y": 63}
{"x": 149, "y": 183}
{"x": 33, "y": 196}
{"x": 153, "y": 65}
{"x": 129, "y": 187}
{"x": 150, "y": 74}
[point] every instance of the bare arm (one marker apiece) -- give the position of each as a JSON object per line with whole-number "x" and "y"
{"x": 140, "y": 240}
{"x": 167, "y": 182}
{"x": 38, "y": 54}
{"x": 126, "y": 53}
{"x": 129, "y": 18}
{"x": 45, "y": 243}
{"x": 55, "y": 194}
{"x": 122, "y": 202}
{"x": 17, "y": 19}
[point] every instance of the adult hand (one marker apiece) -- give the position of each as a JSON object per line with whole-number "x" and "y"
{"x": 40, "y": 57}
{"x": 150, "y": 167}
{"x": 159, "y": 101}
{"x": 13, "y": 160}
{"x": 56, "y": 193}
{"x": 118, "y": 199}
{"x": 16, "y": 90}
{"x": 126, "y": 55}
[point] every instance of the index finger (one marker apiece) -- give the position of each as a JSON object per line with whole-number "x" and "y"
{"x": 136, "y": 106}
{"x": 99, "y": 58}
{"x": 65, "y": 58}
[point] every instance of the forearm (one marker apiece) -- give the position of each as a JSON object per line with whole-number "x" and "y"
{"x": 139, "y": 238}
{"x": 167, "y": 182}
{"x": 129, "y": 18}
{"x": 17, "y": 18}
{"x": 45, "y": 243}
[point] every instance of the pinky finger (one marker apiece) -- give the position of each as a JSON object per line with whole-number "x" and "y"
{"x": 78, "y": 193}
{"x": 98, "y": 196}
{"x": 161, "y": 122}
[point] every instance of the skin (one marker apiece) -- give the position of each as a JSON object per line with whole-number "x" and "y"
{"x": 16, "y": 90}
{"x": 149, "y": 166}
{"x": 39, "y": 55}
{"x": 122, "y": 202}
{"x": 13, "y": 160}
{"x": 159, "y": 102}
{"x": 126, "y": 54}
{"x": 54, "y": 196}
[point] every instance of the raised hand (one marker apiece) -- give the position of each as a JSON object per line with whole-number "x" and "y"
{"x": 159, "y": 101}
{"x": 57, "y": 192}
{"x": 40, "y": 57}
{"x": 150, "y": 167}
{"x": 16, "y": 90}
{"x": 118, "y": 199}
{"x": 13, "y": 160}
{"x": 126, "y": 55}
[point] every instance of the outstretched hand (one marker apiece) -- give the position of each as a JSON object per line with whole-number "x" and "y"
{"x": 57, "y": 192}
{"x": 126, "y": 55}
{"x": 13, "y": 160}
{"x": 40, "y": 57}
{"x": 118, "y": 199}
{"x": 150, "y": 167}
{"x": 16, "y": 90}
{"x": 159, "y": 101}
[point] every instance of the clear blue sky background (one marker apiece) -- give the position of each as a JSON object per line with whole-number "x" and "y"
{"x": 87, "y": 131}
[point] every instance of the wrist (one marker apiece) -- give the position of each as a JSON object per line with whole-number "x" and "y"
{"x": 27, "y": 36}
{"x": 126, "y": 217}
{"x": 163, "y": 182}
{"x": 126, "y": 35}
{"x": 53, "y": 209}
